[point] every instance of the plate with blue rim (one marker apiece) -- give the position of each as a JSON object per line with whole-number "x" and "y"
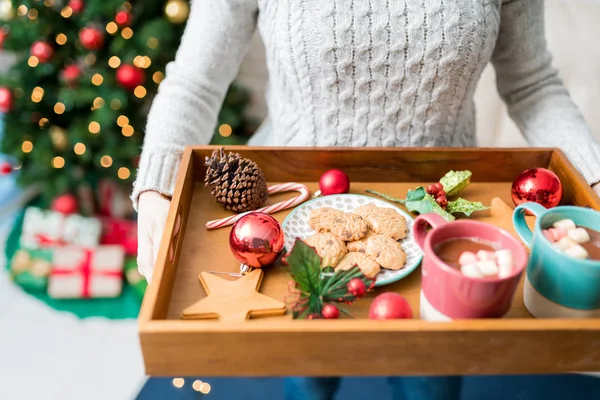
{"x": 295, "y": 226}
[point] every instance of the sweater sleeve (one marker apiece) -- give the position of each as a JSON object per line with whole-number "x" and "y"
{"x": 536, "y": 99}
{"x": 185, "y": 109}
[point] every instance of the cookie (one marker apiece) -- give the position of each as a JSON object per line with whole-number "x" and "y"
{"x": 386, "y": 251}
{"x": 384, "y": 221}
{"x": 360, "y": 246}
{"x": 348, "y": 227}
{"x": 329, "y": 247}
{"x": 367, "y": 265}
{"x": 320, "y": 214}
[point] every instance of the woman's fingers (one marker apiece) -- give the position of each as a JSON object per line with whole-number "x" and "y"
{"x": 152, "y": 217}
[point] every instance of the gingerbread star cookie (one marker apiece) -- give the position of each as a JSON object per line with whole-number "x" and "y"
{"x": 384, "y": 221}
{"x": 368, "y": 266}
{"x": 329, "y": 247}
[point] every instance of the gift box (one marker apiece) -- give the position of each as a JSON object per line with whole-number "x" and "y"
{"x": 134, "y": 278}
{"x": 81, "y": 272}
{"x": 120, "y": 231}
{"x": 30, "y": 268}
{"x": 113, "y": 199}
{"x": 44, "y": 228}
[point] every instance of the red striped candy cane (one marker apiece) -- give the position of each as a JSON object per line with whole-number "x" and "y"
{"x": 282, "y": 205}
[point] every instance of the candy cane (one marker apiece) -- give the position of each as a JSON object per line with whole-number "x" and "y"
{"x": 282, "y": 205}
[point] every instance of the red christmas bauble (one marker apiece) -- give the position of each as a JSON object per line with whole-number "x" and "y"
{"x": 66, "y": 204}
{"x": 123, "y": 18}
{"x": 71, "y": 73}
{"x": 91, "y": 38}
{"x": 539, "y": 185}
{"x": 3, "y": 35}
{"x": 334, "y": 181}
{"x": 42, "y": 50}
{"x": 330, "y": 311}
{"x": 6, "y": 99}
{"x": 129, "y": 76}
{"x": 256, "y": 240}
{"x": 5, "y": 168}
{"x": 357, "y": 287}
{"x": 390, "y": 305}
{"x": 77, "y": 6}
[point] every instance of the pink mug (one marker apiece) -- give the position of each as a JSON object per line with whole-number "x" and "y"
{"x": 446, "y": 293}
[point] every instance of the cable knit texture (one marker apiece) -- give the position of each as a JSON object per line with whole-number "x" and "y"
{"x": 365, "y": 73}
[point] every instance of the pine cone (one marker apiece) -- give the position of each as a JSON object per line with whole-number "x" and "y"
{"x": 238, "y": 183}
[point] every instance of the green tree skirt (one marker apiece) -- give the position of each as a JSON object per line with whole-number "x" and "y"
{"x": 125, "y": 306}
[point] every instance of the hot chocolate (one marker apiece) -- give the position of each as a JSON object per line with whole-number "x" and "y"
{"x": 476, "y": 258}
{"x": 451, "y": 250}
{"x": 576, "y": 241}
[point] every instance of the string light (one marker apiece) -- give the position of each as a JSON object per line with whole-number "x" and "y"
{"x": 97, "y": 79}
{"x": 112, "y": 28}
{"x": 115, "y": 104}
{"x": 106, "y": 161}
{"x": 127, "y": 33}
{"x": 205, "y": 388}
{"x": 66, "y": 12}
{"x": 225, "y": 130}
{"x": 18, "y": 92}
{"x": 127, "y": 130}
{"x": 33, "y": 61}
{"x": 61, "y": 39}
{"x": 58, "y": 162}
{"x": 178, "y": 382}
{"x": 114, "y": 62}
{"x": 43, "y": 122}
{"x": 37, "y": 94}
{"x": 59, "y": 108}
{"x": 27, "y": 146}
{"x": 79, "y": 148}
{"x": 147, "y": 61}
{"x": 138, "y": 61}
{"x": 33, "y": 14}
{"x": 98, "y": 103}
{"x": 21, "y": 10}
{"x": 158, "y": 76}
{"x": 139, "y": 92}
{"x": 123, "y": 173}
{"x": 152, "y": 43}
{"x": 94, "y": 128}
{"x": 48, "y": 3}
{"x": 122, "y": 121}
{"x": 196, "y": 385}
{"x": 90, "y": 59}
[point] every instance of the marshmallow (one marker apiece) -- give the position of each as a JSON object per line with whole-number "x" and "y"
{"x": 505, "y": 270}
{"x": 577, "y": 252}
{"x": 483, "y": 255}
{"x": 559, "y": 233}
{"x": 488, "y": 267}
{"x": 467, "y": 257}
{"x": 471, "y": 270}
{"x": 565, "y": 243}
{"x": 504, "y": 257}
{"x": 567, "y": 224}
{"x": 548, "y": 234}
{"x": 579, "y": 235}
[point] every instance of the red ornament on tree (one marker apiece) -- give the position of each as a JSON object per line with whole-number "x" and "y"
{"x": 3, "y": 35}
{"x": 6, "y": 99}
{"x": 390, "y": 305}
{"x": 5, "y": 168}
{"x": 42, "y": 50}
{"x": 256, "y": 240}
{"x": 71, "y": 73}
{"x": 539, "y": 185}
{"x": 77, "y": 6}
{"x": 66, "y": 204}
{"x": 123, "y": 18}
{"x": 91, "y": 38}
{"x": 357, "y": 287}
{"x": 334, "y": 181}
{"x": 330, "y": 311}
{"x": 129, "y": 76}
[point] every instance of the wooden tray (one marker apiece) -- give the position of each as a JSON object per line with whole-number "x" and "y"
{"x": 280, "y": 346}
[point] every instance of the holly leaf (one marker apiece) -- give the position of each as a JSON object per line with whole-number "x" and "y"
{"x": 466, "y": 207}
{"x": 305, "y": 267}
{"x": 455, "y": 181}
{"x": 420, "y": 202}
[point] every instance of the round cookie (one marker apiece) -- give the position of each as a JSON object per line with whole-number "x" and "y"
{"x": 348, "y": 227}
{"x": 318, "y": 215}
{"x": 386, "y": 251}
{"x": 360, "y": 246}
{"x": 384, "y": 221}
{"x": 367, "y": 265}
{"x": 329, "y": 247}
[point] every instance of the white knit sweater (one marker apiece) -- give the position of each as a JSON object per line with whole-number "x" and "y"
{"x": 364, "y": 73}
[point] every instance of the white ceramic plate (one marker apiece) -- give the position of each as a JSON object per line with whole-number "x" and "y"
{"x": 296, "y": 226}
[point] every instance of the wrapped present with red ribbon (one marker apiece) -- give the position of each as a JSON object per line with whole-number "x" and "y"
{"x": 120, "y": 231}
{"x": 81, "y": 272}
{"x": 113, "y": 199}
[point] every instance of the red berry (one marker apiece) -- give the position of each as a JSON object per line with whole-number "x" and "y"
{"x": 432, "y": 190}
{"x": 330, "y": 311}
{"x": 357, "y": 287}
{"x": 442, "y": 201}
{"x": 439, "y": 186}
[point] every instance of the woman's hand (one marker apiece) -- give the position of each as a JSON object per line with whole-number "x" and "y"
{"x": 152, "y": 216}
{"x": 596, "y": 188}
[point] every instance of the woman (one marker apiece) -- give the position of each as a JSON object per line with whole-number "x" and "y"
{"x": 358, "y": 73}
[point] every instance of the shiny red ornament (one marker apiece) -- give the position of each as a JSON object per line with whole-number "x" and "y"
{"x": 71, "y": 73}
{"x": 330, "y": 311}
{"x": 3, "y": 35}
{"x": 334, "y": 181}
{"x": 6, "y": 99}
{"x": 357, "y": 287}
{"x": 538, "y": 185}
{"x": 91, "y": 38}
{"x": 129, "y": 76}
{"x": 5, "y": 168}
{"x": 42, "y": 50}
{"x": 256, "y": 240}
{"x": 65, "y": 204}
{"x": 390, "y": 305}
{"x": 77, "y": 6}
{"x": 123, "y": 18}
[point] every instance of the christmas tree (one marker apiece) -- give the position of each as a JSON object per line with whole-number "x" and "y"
{"x": 77, "y": 97}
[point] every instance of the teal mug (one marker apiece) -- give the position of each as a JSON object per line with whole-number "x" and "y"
{"x": 557, "y": 285}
